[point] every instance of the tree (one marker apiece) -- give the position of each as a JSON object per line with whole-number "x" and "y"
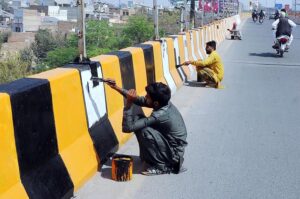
{"x": 138, "y": 29}
{"x": 45, "y": 41}
{"x": 100, "y": 34}
{"x": 60, "y": 56}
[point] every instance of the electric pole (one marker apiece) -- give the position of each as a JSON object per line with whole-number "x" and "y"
{"x": 192, "y": 13}
{"x": 185, "y": 16}
{"x": 155, "y": 18}
{"x": 81, "y": 32}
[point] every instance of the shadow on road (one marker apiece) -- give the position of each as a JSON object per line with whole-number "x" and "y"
{"x": 138, "y": 167}
{"x": 264, "y": 54}
{"x": 198, "y": 84}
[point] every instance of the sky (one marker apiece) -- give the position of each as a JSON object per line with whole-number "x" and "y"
{"x": 268, "y": 3}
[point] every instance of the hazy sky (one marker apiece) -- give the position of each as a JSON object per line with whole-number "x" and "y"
{"x": 268, "y": 3}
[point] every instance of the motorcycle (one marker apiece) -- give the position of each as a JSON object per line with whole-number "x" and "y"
{"x": 281, "y": 44}
{"x": 254, "y": 18}
{"x": 261, "y": 19}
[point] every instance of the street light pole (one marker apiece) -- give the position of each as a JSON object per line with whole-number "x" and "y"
{"x": 155, "y": 18}
{"x": 81, "y": 33}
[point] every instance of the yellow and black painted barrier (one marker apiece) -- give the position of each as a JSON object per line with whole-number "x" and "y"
{"x": 58, "y": 127}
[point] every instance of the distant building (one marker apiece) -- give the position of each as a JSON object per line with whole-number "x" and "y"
{"x": 130, "y": 4}
{"x": 26, "y": 20}
{"x": 57, "y": 12}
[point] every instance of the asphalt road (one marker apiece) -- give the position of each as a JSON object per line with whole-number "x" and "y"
{"x": 244, "y": 140}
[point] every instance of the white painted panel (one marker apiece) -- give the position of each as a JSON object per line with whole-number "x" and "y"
{"x": 94, "y": 97}
{"x": 166, "y": 69}
{"x": 177, "y": 55}
{"x": 186, "y": 54}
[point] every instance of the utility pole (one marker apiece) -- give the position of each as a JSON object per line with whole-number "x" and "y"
{"x": 202, "y": 12}
{"x": 81, "y": 33}
{"x": 155, "y": 18}
{"x": 185, "y": 16}
{"x": 192, "y": 13}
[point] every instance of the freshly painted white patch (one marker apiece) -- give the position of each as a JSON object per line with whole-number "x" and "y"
{"x": 177, "y": 55}
{"x": 186, "y": 52}
{"x": 94, "y": 97}
{"x": 166, "y": 69}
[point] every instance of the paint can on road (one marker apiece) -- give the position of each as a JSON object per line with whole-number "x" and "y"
{"x": 122, "y": 166}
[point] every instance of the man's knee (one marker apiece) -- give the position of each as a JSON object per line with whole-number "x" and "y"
{"x": 145, "y": 133}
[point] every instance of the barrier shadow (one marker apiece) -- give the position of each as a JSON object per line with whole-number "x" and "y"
{"x": 268, "y": 54}
{"x": 138, "y": 167}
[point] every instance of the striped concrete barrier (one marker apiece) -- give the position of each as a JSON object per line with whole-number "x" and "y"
{"x": 58, "y": 127}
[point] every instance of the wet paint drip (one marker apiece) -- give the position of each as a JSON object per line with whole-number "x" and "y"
{"x": 122, "y": 168}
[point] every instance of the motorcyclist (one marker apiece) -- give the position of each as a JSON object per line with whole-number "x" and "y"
{"x": 282, "y": 26}
{"x": 254, "y": 14}
{"x": 276, "y": 15}
{"x": 261, "y": 14}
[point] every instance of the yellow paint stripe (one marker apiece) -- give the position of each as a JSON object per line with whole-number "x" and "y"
{"x": 172, "y": 65}
{"x": 74, "y": 142}
{"x": 10, "y": 182}
{"x": 110, "y": 65}
{"x": 159, "y": 76}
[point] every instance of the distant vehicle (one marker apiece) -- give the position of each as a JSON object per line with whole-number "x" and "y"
{"x": 272, "y": 16}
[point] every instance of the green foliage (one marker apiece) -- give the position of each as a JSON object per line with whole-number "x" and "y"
{"x": 45, "y": 41}
{"x": 27, "y": 56}
{"x": 168, "y": 23}
{"x": 138, "y": 29}
{"x": 13, "y": 68}
{"x": 100, "y": 34}
{"x": 60, "y": 56}
{"x": 4, "y": 37}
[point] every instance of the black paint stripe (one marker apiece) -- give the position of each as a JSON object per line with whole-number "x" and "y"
{"x": 149, "y": 61}
{"x": 126, "y": 67}
{"x": 104, "y": 139}
{"x": 127, "y": 74}
{"x": 42, "y": 170}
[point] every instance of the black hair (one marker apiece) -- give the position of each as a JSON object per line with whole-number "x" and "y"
{"x": 159, "y": 92}
{"x": 283, "y": 10}
{"x": 212, "y": 44}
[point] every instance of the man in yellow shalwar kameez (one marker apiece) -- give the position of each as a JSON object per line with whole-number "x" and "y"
{"x": 210, "y": 71}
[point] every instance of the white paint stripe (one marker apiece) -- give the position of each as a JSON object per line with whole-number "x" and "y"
{"x": 192, "y": 45}
{"x": 94, "y": 97}
{"x": 186, "y": 54}
{"x": 166, "y": 69}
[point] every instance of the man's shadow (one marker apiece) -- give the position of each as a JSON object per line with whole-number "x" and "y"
{"x": 138, "y": 167}
{"x": 268, "y": 54}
